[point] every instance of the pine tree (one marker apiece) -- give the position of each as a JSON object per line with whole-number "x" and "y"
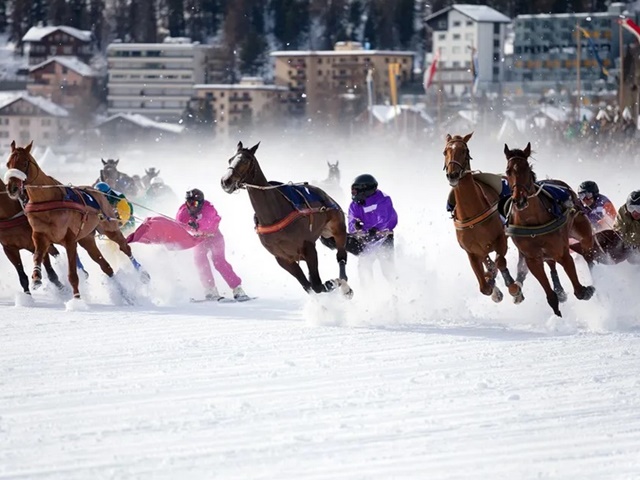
{"x": 77, "y": 14}
{"x": 96, "y": 21}
{"x": 142, "y": 21}
{"x": 58, "y": 12}
{"x": 38, "y": 13}
{"x": 175, "y": 16}
{"x": 404, "y": 22}
{"x": 3, "y": 16}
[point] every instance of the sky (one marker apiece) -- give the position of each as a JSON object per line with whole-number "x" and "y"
{"x": 420, "y": 377}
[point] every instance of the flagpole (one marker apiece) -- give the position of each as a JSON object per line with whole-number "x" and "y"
{"x": 439, "y": 73}
{"x": 579, "y": 64}
{"x": 621, "y": 80}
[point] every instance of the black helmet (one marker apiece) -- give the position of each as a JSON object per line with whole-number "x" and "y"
{"x": 589, "y": 186}
{"x": 363, "y": 187}
{"x": 633, "y": 201}
{"x": 195, "y": 200}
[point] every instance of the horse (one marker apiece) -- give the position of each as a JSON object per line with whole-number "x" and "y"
{"x": 479, "y": 229}
{"x": 63, "y": 215}
{"x": 149, "y": 174}
{"x": 117, "y": 180}
{"x": 15, "y": 235}
{"x": 538, "y": 233}
{"x": 289, "y": 220}
{"x": 334, "y": 174}
{"x": 609, "y": 248}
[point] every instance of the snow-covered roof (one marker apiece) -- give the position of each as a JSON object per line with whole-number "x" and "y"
{"x": 36, "y": 34}
{"x": 562, "y": 115}
{"x": 477, "y": 13}
{"x": 144, "y": 122}
{"x": 40, "y": 102}
{"x": 72, "y": 63}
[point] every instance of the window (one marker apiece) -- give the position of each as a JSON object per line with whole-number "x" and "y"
{"x": 442, "y": 36}
{"x": 455, "y": 50}
{"x": 456, "y": 24}
{"x": 469, "y": 23}
{"x": 24, "y": 122}
{"x": 46, "y": 122}
{"x": 456, "y": 36}
{"x": 496, "y": 28}
{"x": 468, "y": 36}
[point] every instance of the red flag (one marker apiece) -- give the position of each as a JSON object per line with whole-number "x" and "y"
{"x": 164, "y": 231}
{"x": 631, "y": 26}
{"x": 431, "y": 72}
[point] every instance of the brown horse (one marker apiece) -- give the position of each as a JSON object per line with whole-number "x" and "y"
{"x": 479, "y": 228}
{"x": 15, "y": 235}
{"x": 538, "y": 233}
{"x": 609, "y": 248}
{"x": 287, "y": 229}
{"x": 116, "y": 179}
{"x": 62, "y": 215}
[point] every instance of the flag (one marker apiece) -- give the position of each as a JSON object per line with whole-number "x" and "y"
{"x": 474, "y": 71}
{"x": 631, "y": 26}
{"x": 594, "y": 50}
{"x": 430, "y": 72}
{"x": 165, "y": 231}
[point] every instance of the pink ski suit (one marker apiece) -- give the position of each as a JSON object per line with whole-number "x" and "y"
{"x": 207, "y": 221}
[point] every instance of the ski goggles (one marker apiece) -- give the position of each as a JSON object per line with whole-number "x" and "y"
{"x": 193, "y": 203}
{"x": 585, "y": 195}
{"x": 633, "y": 208}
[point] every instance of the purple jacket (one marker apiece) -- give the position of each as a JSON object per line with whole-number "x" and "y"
{"x": 377, "y": 211}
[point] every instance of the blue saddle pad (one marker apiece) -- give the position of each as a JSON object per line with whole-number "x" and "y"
{"x": 302, "y": 196}
{"x": 558, "y": 193}
{"x": 73, "y": 195}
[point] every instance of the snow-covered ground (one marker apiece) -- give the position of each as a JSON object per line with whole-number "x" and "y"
{"x": 422, "y": 378}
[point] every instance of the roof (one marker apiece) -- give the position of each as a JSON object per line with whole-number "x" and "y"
{"x": 142, "y": 121}
{"x": 339, "y": 53}
{"x": 72, "y": 63}
{"x": 238, "y": 86}
{"x": 477, "y": 13}
{"x": 36, "y": 34}
{"x": 40, "y": 102}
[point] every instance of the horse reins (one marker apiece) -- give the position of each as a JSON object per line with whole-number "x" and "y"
{"x": 463, "y": 169}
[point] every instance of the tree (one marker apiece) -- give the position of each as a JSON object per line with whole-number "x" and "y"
{"x": 143, "y": 21}
{"x": 175, "y": 16}
{"x": 58, "y": 12}
{"x": 96, "y": 21}
{"x": 404, "y": 22}
{"x": 3, "y": 16}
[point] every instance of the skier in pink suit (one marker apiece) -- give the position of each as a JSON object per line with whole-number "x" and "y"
{"x": 202, "y": 218}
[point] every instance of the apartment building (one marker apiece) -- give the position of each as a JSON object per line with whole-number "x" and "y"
{"x": 66, "y": 81}
{"x": 239, "y": 106}
{"x": 323, "y": 81}
{"x": 24, "y": 118}
{"x": 154, "y": 79}
{"x": 44, "y": 42}
{"x": 460, "y": 30}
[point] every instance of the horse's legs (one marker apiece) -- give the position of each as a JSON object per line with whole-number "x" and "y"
{"x": 536, "y": 265}
{"x": 486, "y": 285}
{"x": 41, "y": 244}
{"x": 72, "y": 252}
{"x": 117, "y": 237}
{"x": 580, "y": 291}
{"x": 515, "y": 289}
{"x": 51, "y": 273}
{"x": 13, "y": 254}
{"x": 522, "y": 268}
{"x": 311, "y": 257}
{"x": 340, "y": 238}
{"x": 557, "y": 286}
{"x": 89, "y": 244}
{"x": 492, "y": 271}
{"x": 294, "y": 269}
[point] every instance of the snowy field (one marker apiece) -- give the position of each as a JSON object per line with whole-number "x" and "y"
{"x": 421, "y": 378}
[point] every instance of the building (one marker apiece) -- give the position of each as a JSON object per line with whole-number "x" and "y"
{"x": 330, "y": 82}
{"x": 154, "y": 79}
{"x": 458, "y": 32}
{"x": 545, "y": 49}
{"x": 44, "y": 42}
{"x": 24, "y": 118}
{"x": 65, "y": 81}
{"x": 238, "y": 106}
{"x": 136, "y": 129}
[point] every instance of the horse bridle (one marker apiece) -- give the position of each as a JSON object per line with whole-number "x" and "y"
{"x": 250, "y": 172}
{"x": 463, "y": 169}
{"x": 526, "y": 188}
{"x": 17, "y": 173}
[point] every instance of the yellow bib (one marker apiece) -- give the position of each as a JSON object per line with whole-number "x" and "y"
{"x": 123, "y": 210}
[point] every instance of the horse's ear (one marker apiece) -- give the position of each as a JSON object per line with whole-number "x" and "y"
{"x": 527, "y": 149}
{"x": 240, "y": 146}
{"x": 254, "y": 148}
{"x": 28, "y": 147}
{"x": 115, "y": 162}
{"x": 13, "y": 145}
{"x": 337, "y": 162}
{"x": 506, "y": 149}
{"x": 146, "y": 171}
{"x": 467, "y": 137}
{"x": 329, "y": 163}
{"x": 448, "y": 137}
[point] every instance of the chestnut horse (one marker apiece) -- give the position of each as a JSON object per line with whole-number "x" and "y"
{"x": 15, "y": 235}
{"x": 62, "y": 215}
{"x": 538, "y": 233}
{"x": 479, "y": 228}
{"x": 287, "y": 230}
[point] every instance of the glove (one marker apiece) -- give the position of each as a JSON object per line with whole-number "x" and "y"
{"x": 193, "y": 224}
{"x": 358, "y": 224}
{"x": 372, "y": 232}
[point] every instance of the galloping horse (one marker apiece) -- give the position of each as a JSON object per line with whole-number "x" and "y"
{"x": 289, "y": 220}
{"x": 63, "y": 215}
{"x": 117, "y": 180}
{"x": 479, "y": 228}
{"x": 538, "y": 233}
{"x": 15, "y": 235}
{"x": 149, "y": 174}
{"x": 334, "y": 174}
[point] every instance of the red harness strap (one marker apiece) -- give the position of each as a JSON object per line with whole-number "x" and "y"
{"x": 54, "y": 205}
{"x": 286, "y": 221}
{"x": 7, "y": 223}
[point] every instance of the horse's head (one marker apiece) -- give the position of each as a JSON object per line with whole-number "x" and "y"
{"x": 151, "y": 173}
{"x": 519, "y": 175}
{"x": 109, "y": 172}
{"x": 21, "y": 170}
{"x": 334, "y": 172}
{"x": 242, "y": 167}
{"x": 457, "y": 159}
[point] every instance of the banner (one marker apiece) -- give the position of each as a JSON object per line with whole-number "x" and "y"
{"x": 631, "y": 26}
{"x": 594, "y": 50}
{"x": 164, "y": 231}
{"x": 431, "y": 72}
{"x": 474, "y": 71}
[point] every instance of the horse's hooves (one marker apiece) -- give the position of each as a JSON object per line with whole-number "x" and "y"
{"x": 345, "y": 289}
{"x": 496, "y": 296}
{"x": 58, "y": 285}
{"x": 36, "y": 284}
{"x": 587, "y": 293}
{"x": 518, "y": 299}
{"x": 558, "y": 313}
{"x": 515, "y": 289}
{"x": 562, "y": 296}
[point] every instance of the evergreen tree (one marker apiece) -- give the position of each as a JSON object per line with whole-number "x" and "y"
{"x": 58, "y": 12}
{"x": 175, "y": 16}
{"x": 291, "y": 20}
{"x": 38, "y": 13}
{"x": 120, "y": 18}
{"x": 77, "y": 14}
{"x": 404, "y": 22}
{"x": 3, "y": 16}
{"x": 143, "y": 21}
{"x": 96, "y": 21}
{"x": 19, "y": 21}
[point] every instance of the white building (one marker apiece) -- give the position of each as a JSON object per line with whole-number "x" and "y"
{"x": 154, "y": 79}
{"x": 457, "y": 31}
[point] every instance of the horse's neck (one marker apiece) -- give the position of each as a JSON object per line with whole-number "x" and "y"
{"x": 536, "y": 213}
{"x": 8, "y": 207}
{"x": 269, "y": 204}
{"x": 471, "y": 199}
{"x": 39, "y": 189}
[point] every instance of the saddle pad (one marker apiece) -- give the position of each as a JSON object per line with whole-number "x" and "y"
{"x": 303, "y": 196}
{"x": 73, "y": 195}
{"x": 559, "y": 193}
{"x": 492, "y": 180}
